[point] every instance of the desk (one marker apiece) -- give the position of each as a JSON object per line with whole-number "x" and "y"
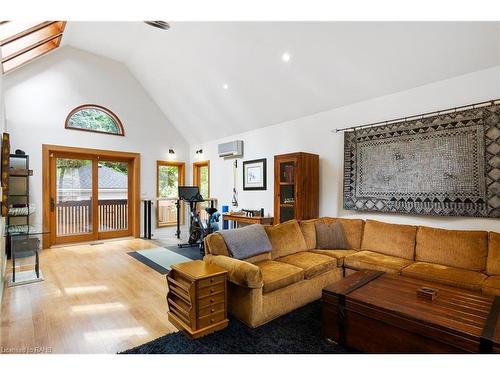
{"x": 248, "y": 219}
{"x": 23, "y": 241}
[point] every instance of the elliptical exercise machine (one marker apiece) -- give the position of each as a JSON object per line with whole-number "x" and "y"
{"x": 198, "y": 229}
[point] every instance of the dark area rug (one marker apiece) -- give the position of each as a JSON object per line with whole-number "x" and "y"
{"x": 296, "y": 333}
{"x": 192, "y": 252}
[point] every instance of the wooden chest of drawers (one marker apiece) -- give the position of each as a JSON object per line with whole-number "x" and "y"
{"x": 197, "y": 298}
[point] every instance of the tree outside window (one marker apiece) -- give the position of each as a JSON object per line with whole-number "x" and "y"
{"x": 94, "y": 118}
{"x": 168, "y": 179}
{"x": 170, "y": 175}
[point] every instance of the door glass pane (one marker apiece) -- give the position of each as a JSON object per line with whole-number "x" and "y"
{"x": 168, "y": 183}
{"x": 203, "y": 179}
{"x": 112, "y": 195}
{"x": 287, "y": 172}
{"x": 73, "y": 196}
{"x": 286, "y": 213}
{"x": 287, "y": 194}
{"x": 287, "y": 191}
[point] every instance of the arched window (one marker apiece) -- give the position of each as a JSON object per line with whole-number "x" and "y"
{"x": 94, "y": 118}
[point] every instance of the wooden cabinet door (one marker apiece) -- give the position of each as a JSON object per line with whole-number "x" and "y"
{"x": 285, "y": 188}
{"x": 296, "y": 187}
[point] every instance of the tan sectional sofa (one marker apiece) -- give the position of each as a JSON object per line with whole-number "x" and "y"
{"x": 452, "y": 257}
{"x": 269, "y": 285}
{"x": 294, "y": 273}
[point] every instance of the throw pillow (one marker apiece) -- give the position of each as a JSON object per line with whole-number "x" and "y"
{"x": 331, "y": 236}
{"x": 247, "y": 241}
{"x": 286, "y": 238}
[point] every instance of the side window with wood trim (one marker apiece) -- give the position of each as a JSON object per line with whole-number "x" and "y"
{"x": 201, "y": 177}
{"x": 169, "y": 176}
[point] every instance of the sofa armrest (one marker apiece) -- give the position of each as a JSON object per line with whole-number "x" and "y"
{"x": 240, "y": 272}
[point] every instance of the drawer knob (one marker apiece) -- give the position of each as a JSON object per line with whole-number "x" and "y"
{"x": 212, "y": 320}
{"x": 211, "y": 290}
{"x": 211, "y": 299}
{"x": 211, "y": 279}
{"x": 212, "y": 310}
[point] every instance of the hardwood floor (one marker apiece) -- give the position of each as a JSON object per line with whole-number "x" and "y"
{"x": 95, "y": 299}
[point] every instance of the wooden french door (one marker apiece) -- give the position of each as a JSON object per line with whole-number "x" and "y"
{"x": 90, "y": 195}
{"x": 72, "y": 198}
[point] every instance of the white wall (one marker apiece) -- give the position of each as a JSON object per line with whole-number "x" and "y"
{"x": 313, "y": 134}
{"x": 40, "y": 95}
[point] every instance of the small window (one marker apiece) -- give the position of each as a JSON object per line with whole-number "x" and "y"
{"x": 169, "y": 176}
{"x": 94, "y": 118}
{"x": 201, "y": 177}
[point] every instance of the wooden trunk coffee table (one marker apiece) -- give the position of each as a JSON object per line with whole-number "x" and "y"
{"x": 376, "y": 312}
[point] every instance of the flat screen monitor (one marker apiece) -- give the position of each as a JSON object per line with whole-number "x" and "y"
{"x": 189, "y": 193}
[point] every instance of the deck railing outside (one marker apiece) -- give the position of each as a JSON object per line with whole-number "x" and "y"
{"x": 201, "y": 208}
{"x": 113, "y": 214}
{"x": 167, "y": 210}
{"x": 75, "y": 217}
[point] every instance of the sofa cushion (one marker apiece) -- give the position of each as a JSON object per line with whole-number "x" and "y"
{"x": 353, "y": 229}
{"x": 369, "y": 260}
{"x": 312, "y": 264}
{"x": 308, "y": 229}
{"x": 330, "y": 236}
{"x": 338, "y": 254}
{"x": 389, "y": 239}
{"x": 215, "y": 244}
{"x": 454, "y": 248}
{"x": 491, "y": 286}
{"x": 278, "y": 275}
{"x": 286, "y": 238}
{"x": 445, "y": 275}
{"x": 258, "y": 258}
{"x": 493, "y": 260}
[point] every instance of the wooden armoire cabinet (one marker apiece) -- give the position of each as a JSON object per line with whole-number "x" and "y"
{"x": 296, "y": 186}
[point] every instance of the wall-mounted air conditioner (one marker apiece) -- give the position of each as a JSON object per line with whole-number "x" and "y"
{"x": 231, "y": 149}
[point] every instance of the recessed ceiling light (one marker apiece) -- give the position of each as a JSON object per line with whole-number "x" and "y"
{"x": 286, "y": 57}
{"x": 225, "y": 86}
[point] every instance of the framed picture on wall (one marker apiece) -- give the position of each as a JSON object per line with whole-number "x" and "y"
{"x": 255, "y": 174}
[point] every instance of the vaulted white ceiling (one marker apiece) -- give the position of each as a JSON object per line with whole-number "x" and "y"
{"x": 332, "y": 64}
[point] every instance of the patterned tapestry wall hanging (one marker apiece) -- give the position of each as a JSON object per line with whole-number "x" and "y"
{"x": 444, "y": 164}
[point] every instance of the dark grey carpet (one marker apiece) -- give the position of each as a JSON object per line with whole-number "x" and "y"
{"x": 297, "y": 332}
{"x": 192, "y": 252}
{"x": 189, "y": 252}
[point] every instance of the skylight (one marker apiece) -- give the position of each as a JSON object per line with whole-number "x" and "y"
{"x": 22, "y": 42}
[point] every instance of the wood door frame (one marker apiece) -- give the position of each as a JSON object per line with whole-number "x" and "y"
{"x": 196, "y": 168}
{"x": 134, "y": 183}
{"x": 182, "y": 180}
